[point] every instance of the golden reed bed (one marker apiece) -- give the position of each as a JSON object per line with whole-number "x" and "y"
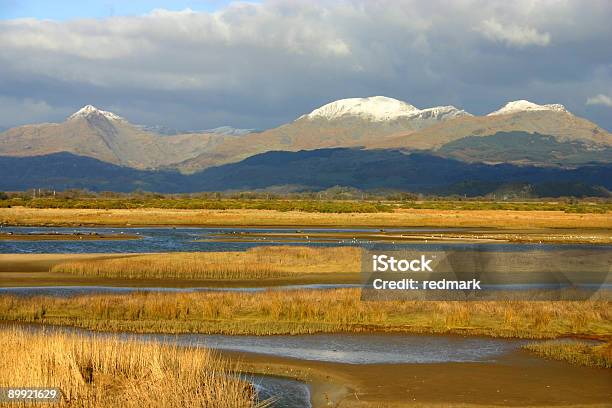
{"x": 109, "y": 372}
{"x": 310, "y": 311}
{"x": 580, "y": 353}
{"x": 256, "y": 263}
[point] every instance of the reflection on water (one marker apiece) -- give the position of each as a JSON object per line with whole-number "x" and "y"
{"x": 344, "y": 348}
{"x": 284, "y": 392}
{"x": 169, "y": 239}
{"x": 357, "y": 348}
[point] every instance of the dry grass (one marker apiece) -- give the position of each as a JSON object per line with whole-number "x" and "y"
{"x": 575, "y": 352}
{"x": 256, "y": 263}
{"x": 399, "y": 217}
{"x": 294, "y": 312}
{"x": 110, "y": 372}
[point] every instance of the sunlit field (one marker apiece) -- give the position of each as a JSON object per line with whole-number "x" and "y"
{"x": 502, "y": 218}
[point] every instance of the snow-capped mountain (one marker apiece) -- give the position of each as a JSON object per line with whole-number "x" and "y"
{"x": 348, "y": 122}
{"x": 376, "y": 122}
{"x": 88, "y": 111}
{"x": 523, "y": 106}
{"x": 378, "y": 109}
{"x": 522, "y": 116}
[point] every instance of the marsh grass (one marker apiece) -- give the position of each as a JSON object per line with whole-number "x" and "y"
{"x": 111, "y": 372}
{"x": 255, "y": 263}
{"x": 420, "y": 217}
{"x": 579, "y": 353}
{"x": 308, "y": 311}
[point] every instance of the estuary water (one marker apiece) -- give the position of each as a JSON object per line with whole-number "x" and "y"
{"x": 348, "y": 348}
{"x": 168, "y": 239}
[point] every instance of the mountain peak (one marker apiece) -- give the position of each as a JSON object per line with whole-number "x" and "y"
{"x": 523, "y": 105}
{"x": 90, "y": 110}
{"x": 376, "y": 108}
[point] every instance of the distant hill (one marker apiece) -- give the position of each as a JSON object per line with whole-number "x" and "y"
{"x": 105, "y": 136}
{"x": 417, "y": 172}
{"x": 525, "y": 148}
{"x": 61, "y": 171}
{"x": 310, "y": 170}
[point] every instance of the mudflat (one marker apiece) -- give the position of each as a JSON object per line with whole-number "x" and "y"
{"x": 43, "y": 262}
{"x": 539, "y": 235}
{"x": 517, "y": 379}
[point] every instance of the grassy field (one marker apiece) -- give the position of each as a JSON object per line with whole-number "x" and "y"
{"x": 576, "y": 353}
{"x": 109, "y": 372}
{"x": 256, "y": 263}
{"x": 294, "y": 312}
{"x": 253, "y": 217}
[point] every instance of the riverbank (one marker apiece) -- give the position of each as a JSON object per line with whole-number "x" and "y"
{"x": 398, "y": 217}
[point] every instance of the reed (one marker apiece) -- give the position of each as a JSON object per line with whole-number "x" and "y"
{"x": 95, "y": 371}
{"x": 309, "y": 311}
{"x": 575, "y": 352}
{"x": 501, "y": 218}
{"x": 256, "y": 263}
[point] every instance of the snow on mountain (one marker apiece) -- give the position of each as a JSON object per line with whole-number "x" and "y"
{"x": 441, "y": 112}
{"x": 90, "y": 110}
{"x": 229, "y": 131}
{"x": 379, "y": 108}
{"x": 523, "y": 105}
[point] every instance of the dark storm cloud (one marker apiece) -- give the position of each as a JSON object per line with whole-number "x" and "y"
{"x": 259, "y": 65}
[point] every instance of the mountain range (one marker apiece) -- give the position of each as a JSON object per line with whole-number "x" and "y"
{"x": 521, "y": 134}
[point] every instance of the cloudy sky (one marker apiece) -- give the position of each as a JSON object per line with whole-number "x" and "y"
{"x": 201, "y": 64}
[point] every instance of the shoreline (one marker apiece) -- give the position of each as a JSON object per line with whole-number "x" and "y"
{"x": 67, "y": 237}
{"x": 325, "y": 234}
{"x": 489, "y": 236}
